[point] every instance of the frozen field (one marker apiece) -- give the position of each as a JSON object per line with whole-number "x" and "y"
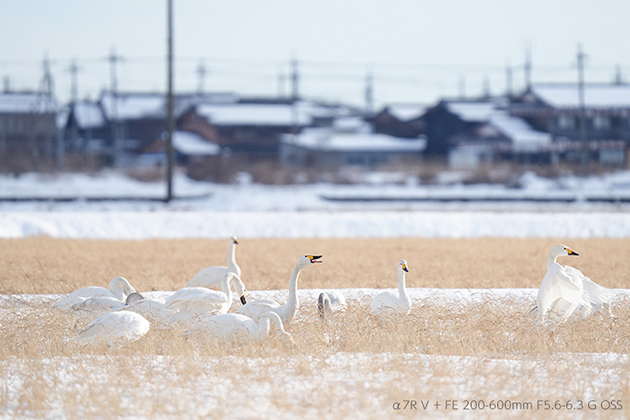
{"x": 462, "y": 353}
{"x": 257, "y": 211}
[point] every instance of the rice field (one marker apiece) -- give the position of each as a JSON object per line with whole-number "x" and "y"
{"x": 448, "y": 359}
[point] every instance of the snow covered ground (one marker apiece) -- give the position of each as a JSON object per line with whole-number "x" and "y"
{"x": 49, "y": 207}
{"x": 347, "y": 382}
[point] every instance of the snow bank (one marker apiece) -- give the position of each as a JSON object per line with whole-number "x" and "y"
{"x": 378, "y": 224}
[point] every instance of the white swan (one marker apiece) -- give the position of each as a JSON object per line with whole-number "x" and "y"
{"x": 115, "y": 327}
{"x": 329, "y": 302}
{"x": 387, "y": 303}
{"x": 199, "y": 300}
{"x": 564, "y": 288}
{"x": 239, "y": 328}
{"x": 211, "y": 277}
{"x": 119, "y": 288}
{"x": 256, "y": 308}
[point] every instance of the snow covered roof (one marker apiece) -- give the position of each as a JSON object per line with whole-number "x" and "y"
{"x": 88, "y": 115}
{"x": 523, "y": 136}
{"x": 406, "y": 112}
{"x": 595, "y": 95}
{"x": 351, "y": 124}
{"x": 26, "y": 102}
{"x": 472, "y": 111}
{"x": 273, "y": 115}
{"x": 133, "y": 106}
{"x": 355, "y": 142}
{"x": 191, "y": 144}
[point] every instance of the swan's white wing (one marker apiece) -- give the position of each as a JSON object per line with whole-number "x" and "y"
{"x": 154, "y": 310}
{"x": 100, "y": 303}
{"x": 388, "y": 302}
{"x": 196, "y": 299}
{"x": 115, "y": 326}
{"x": 255, "y": 308}
{"x": 79, "y": 296}
{"x": 593, "y": 292}
{"x": 209, "y": 277}
{"x": 558, "y": 285}
{"x": 228, "y": 327}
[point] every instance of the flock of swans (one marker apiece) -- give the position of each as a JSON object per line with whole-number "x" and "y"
{"x": 201, "y": 307}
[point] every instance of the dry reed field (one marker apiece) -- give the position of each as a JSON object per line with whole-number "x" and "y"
{"x": 487, "y": 357}
{"x": 46, "y": 265}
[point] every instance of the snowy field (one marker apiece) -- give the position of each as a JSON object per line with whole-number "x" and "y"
{"x": 257, "y": 211}
{"x": 459, "y": 349}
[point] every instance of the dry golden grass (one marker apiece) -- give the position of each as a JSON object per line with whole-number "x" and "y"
{"x": 46, "y": 265}
{"x": 351, "y": 366}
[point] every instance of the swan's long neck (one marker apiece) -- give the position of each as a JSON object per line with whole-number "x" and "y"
{"x": 551, "y": 259}
{"x": 116, "y": 287}
{"x": 402, "y": 290}
{"x": 231, "y": 259}
{"x": 293, "y": 303}
{"x": 225, "y": 287}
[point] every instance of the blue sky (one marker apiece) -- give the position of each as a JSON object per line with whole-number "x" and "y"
{"x": 417, "y": 50}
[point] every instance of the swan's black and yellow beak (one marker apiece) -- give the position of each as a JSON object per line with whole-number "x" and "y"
{"x": 243, "y": 300}
{"x": 404, "y": 267}
{"x": 234, "y": 241}
{"x": 314, "y": 258}
{"x": 571, "y": 252}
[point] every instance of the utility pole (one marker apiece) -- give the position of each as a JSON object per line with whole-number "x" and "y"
{"x": 113, "y": 61}
{"x": 46, "y": 85}
{"x": 170, "y": 118}
{"x": 583, "y": 140}
{"x": 73, "y": 69}
{"x": 45, "y": 105}
{"x": 369, "y": 93}
{"x": 202, "y": 71}
{"x": 618, "y": 76}
{"x": 462, "y": 86}
{"x": 295, "y": 80}
{"x": 508, "y": 80}
{"x": 528, "y": 67}
{"x": 486, "y": 88}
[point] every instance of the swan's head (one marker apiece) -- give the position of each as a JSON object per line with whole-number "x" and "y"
{"x": 133, "y": 298}
{"x": 233, "y": 240}
{"x": 562, "y": 250}
{"x": 308, "y": 259}
{"x": 402, "y": 264}
{"x": 237, "y": 284}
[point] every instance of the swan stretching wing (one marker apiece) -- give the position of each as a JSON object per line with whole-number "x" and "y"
{"x": 256, "y": 308}
{"x": 211, "y": 277}
{"x": 388, "y": 303}
{"x": 115, "y": 327}
{"x": 564, "y": 288}
{"x": 119, "y": 288}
